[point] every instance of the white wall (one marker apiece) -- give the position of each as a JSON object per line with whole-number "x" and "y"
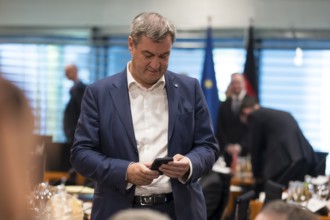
{"x": 186, "y": 14}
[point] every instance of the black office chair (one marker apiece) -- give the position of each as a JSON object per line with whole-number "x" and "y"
{"x": 242, "y": 206}
{"x": 216, "y": 190}
{"x": 321, "y": 162}
{"x": 273, "y": 191}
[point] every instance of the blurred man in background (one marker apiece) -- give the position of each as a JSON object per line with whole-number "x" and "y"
{"x": 231, "y": 132}
{"x": 71, "y": 114}
{"x": 279, "y": 150}
{"x": 72, "y": 110}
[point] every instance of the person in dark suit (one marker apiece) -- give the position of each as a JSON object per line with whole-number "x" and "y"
{"x": 142, "y": 113}
{"x": 279, "y": 150}
{"x": 72, "y": 110}
{"x": 231, "y": 132}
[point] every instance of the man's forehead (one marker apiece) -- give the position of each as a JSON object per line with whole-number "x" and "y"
{"x": 237, "y": 77}
{"x": 147, "y": 45}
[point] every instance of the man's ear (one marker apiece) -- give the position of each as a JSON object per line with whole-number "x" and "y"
{"x": 130, "y": 44}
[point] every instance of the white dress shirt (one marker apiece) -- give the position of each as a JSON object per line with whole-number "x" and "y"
{"x": 237, "y": 101}
{"x": 149, "y": 108}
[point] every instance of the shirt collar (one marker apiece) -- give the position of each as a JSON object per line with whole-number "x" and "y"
{"x": 131, "y": 81}
{"x": 240, "y": 96}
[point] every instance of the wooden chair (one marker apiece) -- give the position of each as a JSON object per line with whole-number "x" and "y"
{"x": 58, "y": 176}
{"x": 51, "y": 176}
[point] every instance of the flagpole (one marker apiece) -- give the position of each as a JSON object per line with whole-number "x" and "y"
{"x": 250, "y": 69}
{"x": 209, "y": 21}
{"x": 246, "y": 38}
{"x": 208, "y": 81}
{"x": 251, "y": 21}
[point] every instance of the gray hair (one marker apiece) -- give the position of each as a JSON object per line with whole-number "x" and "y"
{"x": 139, "y": 214}
{"x": 152, "y": 25}
{"x": 288, "y": 210}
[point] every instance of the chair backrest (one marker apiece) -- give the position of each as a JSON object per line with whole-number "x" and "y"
{"x": 321, "y": 162}
{"x": 242, "y": 209}
{"x": 273, "y": 191}
{"x": 216, "y": 190}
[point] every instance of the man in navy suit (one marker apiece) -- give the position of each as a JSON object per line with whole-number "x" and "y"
{"x": 142, "y": 113}
{"x": 279, "y": 150}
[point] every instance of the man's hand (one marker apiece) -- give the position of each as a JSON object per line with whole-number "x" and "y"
{"x": 139, "y": 174}
{"x": 177, "y": 168}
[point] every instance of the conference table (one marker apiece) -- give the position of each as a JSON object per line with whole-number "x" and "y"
{"x": 242, "y": 179}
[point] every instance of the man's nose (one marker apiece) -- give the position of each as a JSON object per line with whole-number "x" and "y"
{"x": 155, "y": 63}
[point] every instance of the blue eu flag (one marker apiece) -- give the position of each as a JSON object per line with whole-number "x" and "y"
{"x": 209, "y": 82}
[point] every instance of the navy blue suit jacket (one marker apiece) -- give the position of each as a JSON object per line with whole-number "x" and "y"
{"x": 105, "y": 143}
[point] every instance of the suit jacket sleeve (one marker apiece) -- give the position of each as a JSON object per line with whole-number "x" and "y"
{"x": 206, "y": 150}
{"x": 255, "y": 140}
{"x": 190, "y": 127}
{"x": 88, "y": 154}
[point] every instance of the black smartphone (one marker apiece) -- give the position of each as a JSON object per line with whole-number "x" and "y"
{"x": 159, "y": 161}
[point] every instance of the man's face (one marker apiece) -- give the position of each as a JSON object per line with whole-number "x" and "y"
{"x": 237, "y": 83}
{"x": 70, "y": 73}
{"x": 149, "y": 59}
{"x": 245, "y": 114}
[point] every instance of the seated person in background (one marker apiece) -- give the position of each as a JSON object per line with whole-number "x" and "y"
{"x": 16, "y": 142}
{"x": 280, "y": 210}
{"x": 279, "y": 150}
{"x": 231, "y": 132}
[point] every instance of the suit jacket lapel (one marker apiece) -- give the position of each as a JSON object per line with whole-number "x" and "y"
{"x": 172, "y": 89}
{"x": 119, "y": 94}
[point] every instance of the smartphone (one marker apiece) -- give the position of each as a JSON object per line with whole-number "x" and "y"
{"x": 159, "y": 161}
